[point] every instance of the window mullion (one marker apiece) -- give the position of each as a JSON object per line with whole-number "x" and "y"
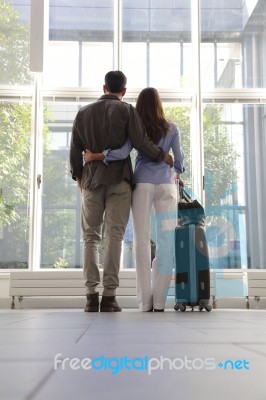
{"x": 196, "y": 114}
{"x": 36, "y": 177}
{"x": 117, "y": 35}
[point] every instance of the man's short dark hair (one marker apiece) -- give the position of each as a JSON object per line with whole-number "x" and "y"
{"x": 115, "y": 81}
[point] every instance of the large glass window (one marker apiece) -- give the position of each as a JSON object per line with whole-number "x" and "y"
{"x": 62, "y": 64}
{"x": 15, "y": 134}
{"x": 255, "y": 167}
{"x": 135, "y": 64}
{"x": 61, "y": 238}
{"x": 221, "y": 65}
{"x": 233, "y": 43}
{"x": 156, "y": 35}
{"x": 80, "y": 47}
{"x": 156, "y": 49}
{"x": 224, "y": 172}
{"x": 97, "y": 59}
{"x": 14, "y": 43}
{"x": 180, "y": 114}
{"x": 15, "y": 130}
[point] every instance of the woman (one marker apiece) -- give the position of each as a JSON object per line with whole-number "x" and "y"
{"x": 155, "y": 190}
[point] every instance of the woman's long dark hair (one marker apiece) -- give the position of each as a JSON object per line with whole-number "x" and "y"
{"x": 149, "y": 107}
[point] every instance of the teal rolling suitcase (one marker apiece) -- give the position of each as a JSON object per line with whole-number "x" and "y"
{"x": 192, "y": 275}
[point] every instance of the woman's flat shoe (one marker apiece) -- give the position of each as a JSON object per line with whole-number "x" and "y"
{"x": 159, "y": 310}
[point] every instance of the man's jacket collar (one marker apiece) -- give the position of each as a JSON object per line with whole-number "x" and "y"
{"x": 109, "y": 97}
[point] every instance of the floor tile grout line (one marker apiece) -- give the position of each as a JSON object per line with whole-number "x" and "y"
{"x": 83, "y": 333}
{"x": 17, "y": 321}
{"x": 43, "y": 328}
{"x": 39, "y": 386}
{"x": 260, "y": 353}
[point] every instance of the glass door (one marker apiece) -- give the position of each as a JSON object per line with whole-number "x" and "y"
{"x": 61, "y": 232}
{"x": 224, "y": 171}
{"x": 15, "y": 135}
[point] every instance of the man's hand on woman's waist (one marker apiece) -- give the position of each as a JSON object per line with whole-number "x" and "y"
{"x": 169, "y": 160}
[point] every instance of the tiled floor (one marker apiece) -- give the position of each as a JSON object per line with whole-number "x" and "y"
{"x": 182, "y": 350}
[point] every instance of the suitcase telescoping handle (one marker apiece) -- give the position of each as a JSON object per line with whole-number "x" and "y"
{"x": 177, "y": 196}
{"x": 183, "y": 196}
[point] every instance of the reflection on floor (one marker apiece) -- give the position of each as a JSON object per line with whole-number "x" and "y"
{"x": 68, "y": 354}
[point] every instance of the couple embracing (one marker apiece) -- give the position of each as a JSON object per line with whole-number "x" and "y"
{"x": 103, "y": 136}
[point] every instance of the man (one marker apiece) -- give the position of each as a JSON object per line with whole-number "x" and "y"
{"x": 106, "y": 190}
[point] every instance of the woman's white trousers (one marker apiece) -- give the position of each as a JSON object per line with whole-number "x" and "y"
{"x": 158, "y": 201}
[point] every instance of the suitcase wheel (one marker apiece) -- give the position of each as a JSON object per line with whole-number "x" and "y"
{"x": 204, "y": 304}
{"x": 180, "y": 307}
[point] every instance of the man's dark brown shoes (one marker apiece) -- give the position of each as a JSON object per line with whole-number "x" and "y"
{"x": 92, "y": 303}
{"x": 109, "y": 304}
